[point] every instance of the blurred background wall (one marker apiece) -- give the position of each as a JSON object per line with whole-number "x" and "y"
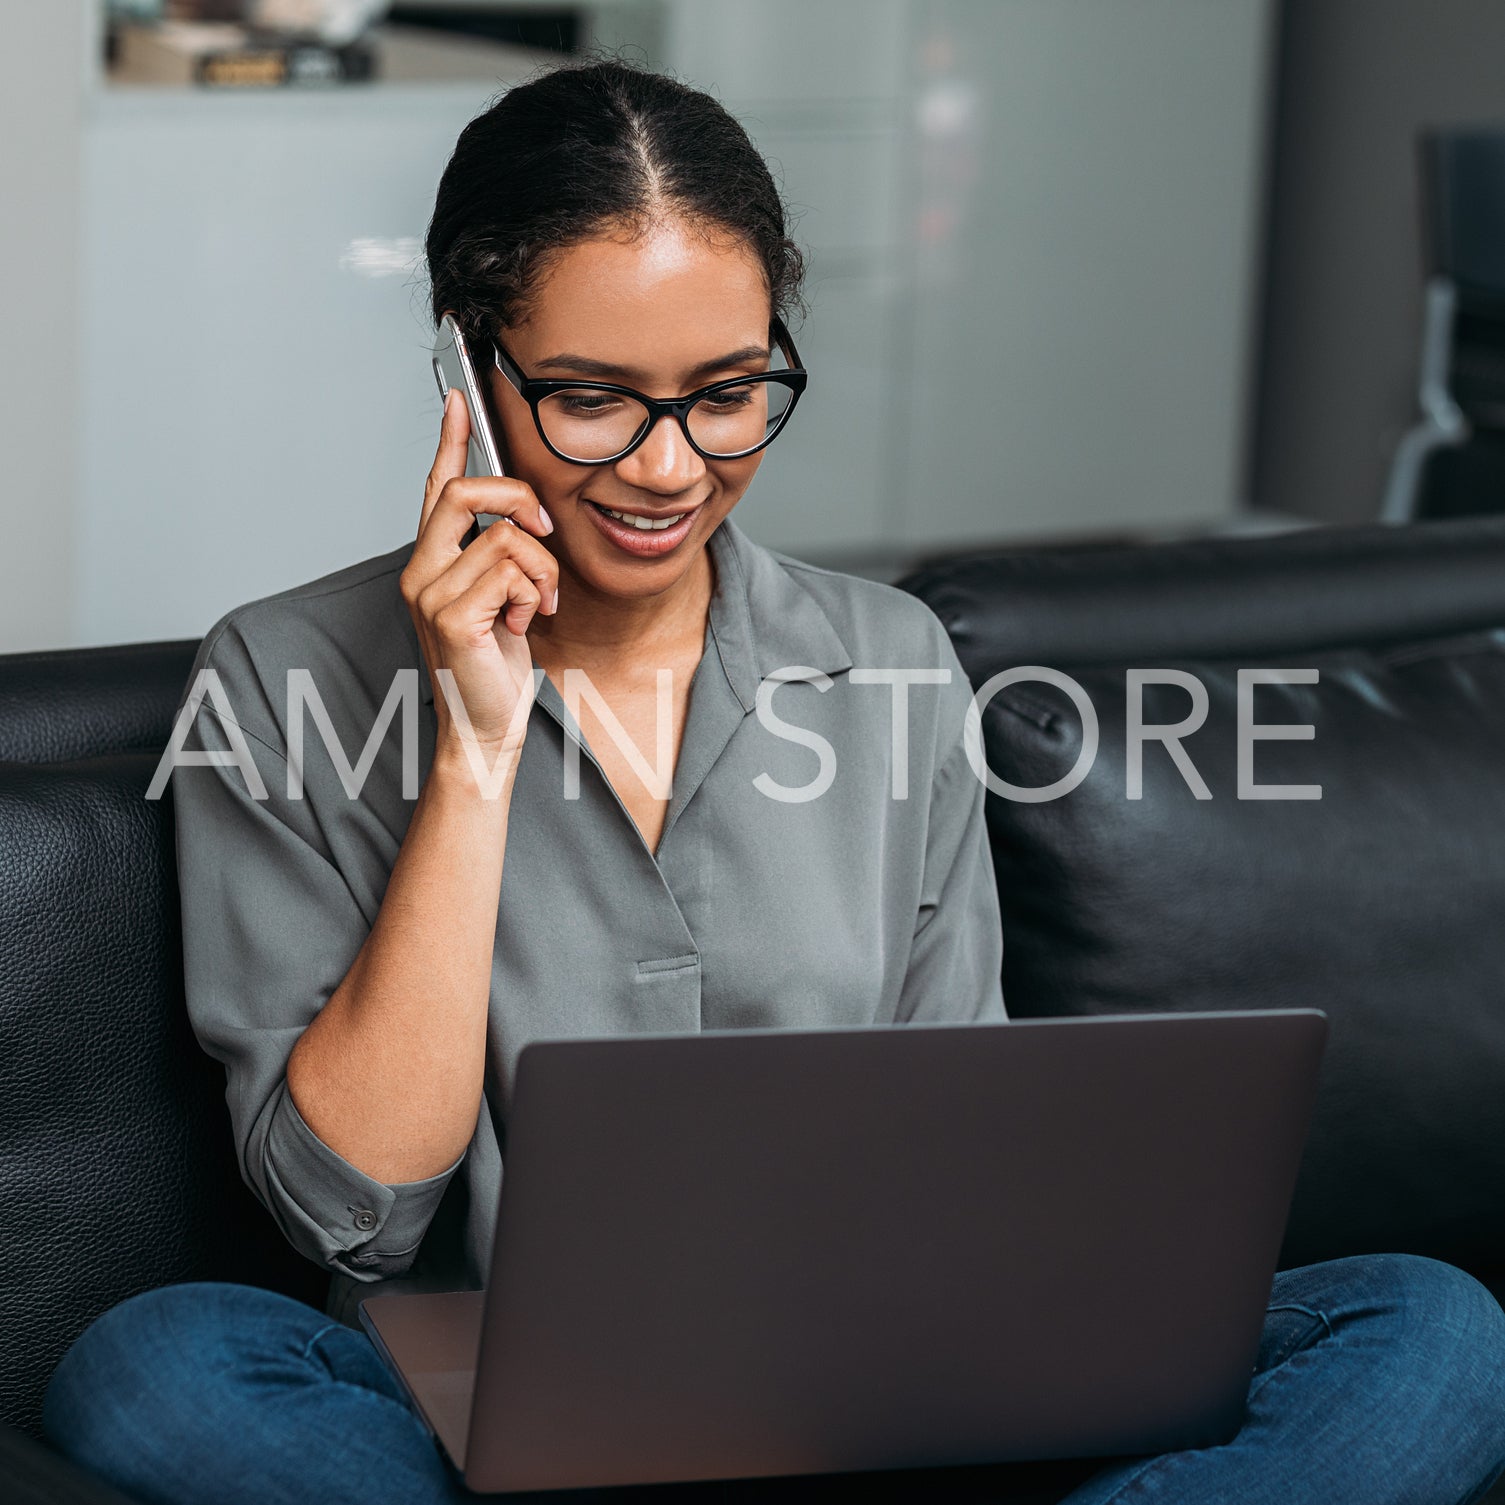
{"x": 44, "y": 66}
{"x": 1036, "y": 252}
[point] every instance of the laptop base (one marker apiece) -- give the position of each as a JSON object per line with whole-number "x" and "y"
{"x": 432, "y": 1342}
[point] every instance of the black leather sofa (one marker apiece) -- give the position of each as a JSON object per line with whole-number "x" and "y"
{"x": 1380, "y": 902}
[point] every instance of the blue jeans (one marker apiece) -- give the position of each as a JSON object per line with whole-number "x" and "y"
{"x": 1380, "y": 1379}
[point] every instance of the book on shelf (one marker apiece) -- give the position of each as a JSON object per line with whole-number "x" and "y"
{"x": 225, "y": 54}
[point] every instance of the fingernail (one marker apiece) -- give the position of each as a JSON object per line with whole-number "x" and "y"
{"x": 554, "y": 601}
{"x": 548, "y": 522}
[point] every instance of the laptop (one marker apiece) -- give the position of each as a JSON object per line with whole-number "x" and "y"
{"x": 773, "y": 1252}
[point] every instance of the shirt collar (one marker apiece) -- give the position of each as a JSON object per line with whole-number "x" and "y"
{"x": 761, "y": 617}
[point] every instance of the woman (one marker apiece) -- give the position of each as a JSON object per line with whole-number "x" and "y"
{"x": 368, "y": 977}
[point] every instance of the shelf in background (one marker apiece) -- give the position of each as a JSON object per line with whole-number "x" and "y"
{"x": 406, "y": 57}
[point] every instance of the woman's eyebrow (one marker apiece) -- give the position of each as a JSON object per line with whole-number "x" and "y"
{"x": 583, "y": 365}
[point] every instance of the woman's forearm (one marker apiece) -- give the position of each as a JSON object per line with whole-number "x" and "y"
{"x": 390, "y": 1072}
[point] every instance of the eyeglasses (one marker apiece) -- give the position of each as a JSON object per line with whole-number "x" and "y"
{"x": 597, "y": 423}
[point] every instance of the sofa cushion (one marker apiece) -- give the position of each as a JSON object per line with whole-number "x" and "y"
{"x": 117, "y": 1172}
{"x": 1380, "y": 902}
{"x": 82, "y": 702}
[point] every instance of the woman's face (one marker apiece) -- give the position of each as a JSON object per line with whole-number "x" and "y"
{"x": 665, "y": 313}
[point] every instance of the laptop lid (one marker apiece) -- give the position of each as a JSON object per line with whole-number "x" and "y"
{"x": 753, "y": 1253}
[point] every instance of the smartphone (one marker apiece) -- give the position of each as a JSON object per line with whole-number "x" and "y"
{"x": 453, "y": 367}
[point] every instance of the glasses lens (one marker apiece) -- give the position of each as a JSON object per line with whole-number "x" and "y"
{"x": 737, "y": 419}
{"x": 587, "y": 424}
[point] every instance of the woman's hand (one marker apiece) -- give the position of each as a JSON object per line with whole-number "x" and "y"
{"x": 472, "y": 605}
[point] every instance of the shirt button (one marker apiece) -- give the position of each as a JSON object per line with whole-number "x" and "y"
{"x": 365, "y": 1220}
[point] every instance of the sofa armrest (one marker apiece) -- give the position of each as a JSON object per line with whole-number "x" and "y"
{"x": 35, "y": 1475}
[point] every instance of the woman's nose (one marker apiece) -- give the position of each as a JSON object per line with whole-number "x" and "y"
{"x": 663, "y": 462}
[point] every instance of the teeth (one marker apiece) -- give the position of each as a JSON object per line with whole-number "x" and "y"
{"x": 645, "y": 524}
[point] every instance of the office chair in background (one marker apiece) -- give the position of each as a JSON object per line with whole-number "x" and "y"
{"x": 1453, "y": 462}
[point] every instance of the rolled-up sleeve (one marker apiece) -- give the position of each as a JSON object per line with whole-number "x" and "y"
{"x": 270, "y": 928}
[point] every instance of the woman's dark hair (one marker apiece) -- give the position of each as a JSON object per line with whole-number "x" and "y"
{"x": 583, "y": 149}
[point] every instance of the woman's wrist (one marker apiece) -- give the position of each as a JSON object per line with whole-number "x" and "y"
{"x": 474, "y": 771}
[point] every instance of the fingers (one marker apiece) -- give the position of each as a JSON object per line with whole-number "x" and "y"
{"x": 451, "y": 503}
{"x": 503, "y": 596}
{"x": 504, "y": 570}
{"x": 460, "y": 498}
{"x": 440, "y": 548}
{"x": 450, "y": 458}
{"x": 457, "y": 498}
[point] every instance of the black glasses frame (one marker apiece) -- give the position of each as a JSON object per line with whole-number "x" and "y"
{"x": 678, "y": 408}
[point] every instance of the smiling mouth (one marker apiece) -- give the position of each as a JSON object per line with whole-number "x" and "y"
{"x": 642, "y": 522}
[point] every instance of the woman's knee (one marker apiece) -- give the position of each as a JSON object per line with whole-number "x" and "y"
{"x": 1431, "y": 1302}
{"x": 1451, "y": 1317}
{"x": 165, "y": 1364}
{"x": 1429, "y": 1292}
{"x": 1435, "y": 1336}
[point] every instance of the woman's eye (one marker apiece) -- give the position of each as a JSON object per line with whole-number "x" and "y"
{"x": 723, "y": 402}
{"x": 588, "y": 404}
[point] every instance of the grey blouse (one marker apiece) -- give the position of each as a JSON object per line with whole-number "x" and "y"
{"x": 797, "y": 883}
